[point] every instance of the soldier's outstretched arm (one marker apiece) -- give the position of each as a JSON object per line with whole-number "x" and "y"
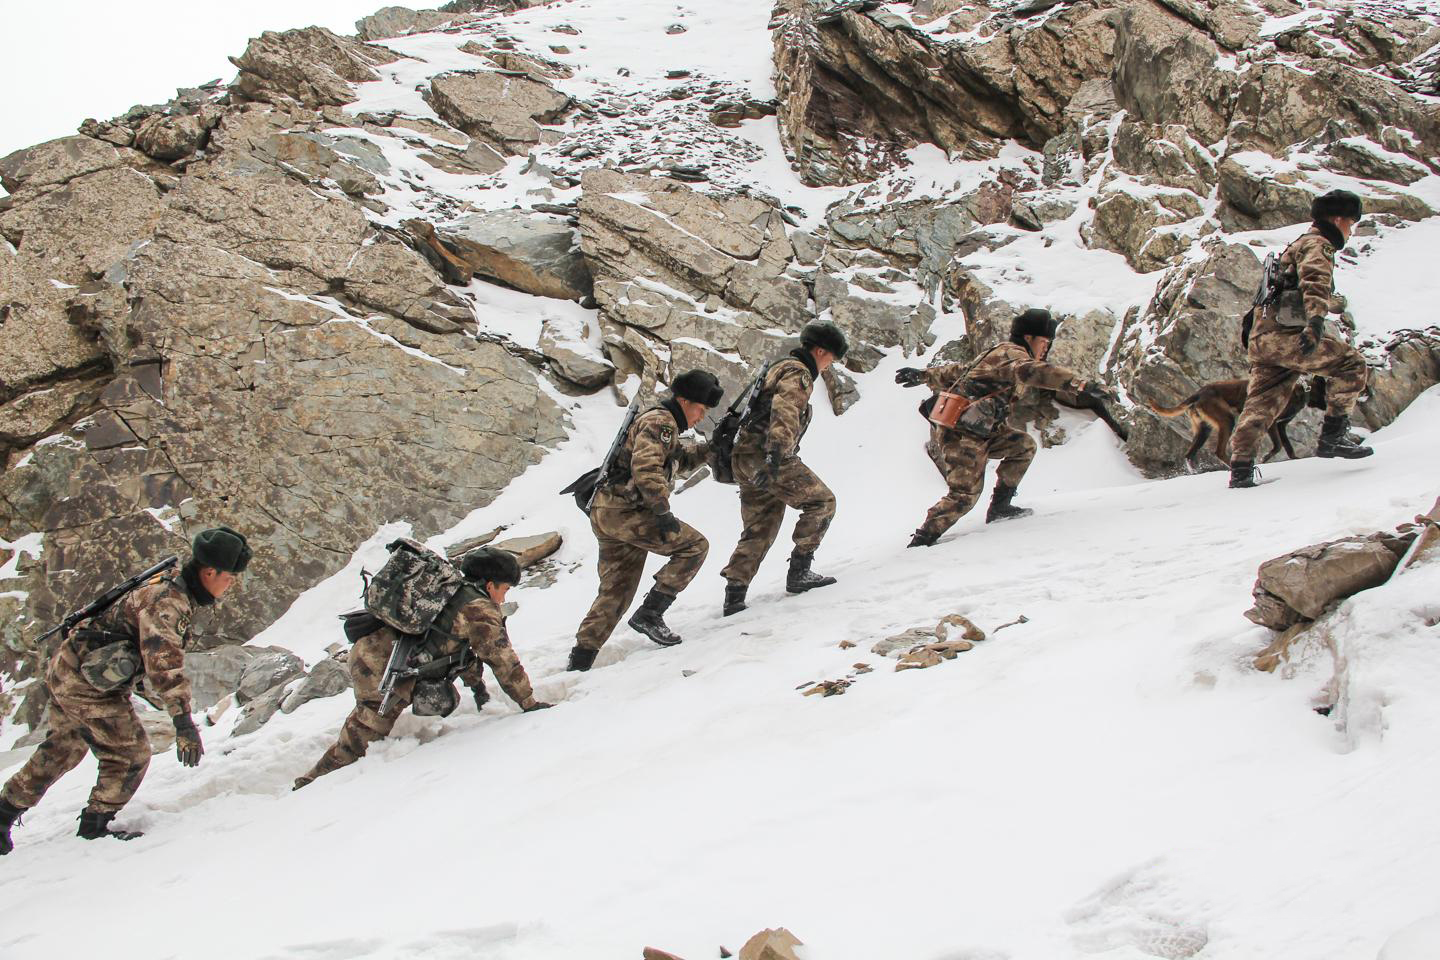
{"x": 787, "y": 410}
{"x": 648, "y": 453}
{"x": 1045, "y": 376}
{"x": 163, "y": 620}
{"x": 480, "y": 626}
{"x": 944, "y": 377}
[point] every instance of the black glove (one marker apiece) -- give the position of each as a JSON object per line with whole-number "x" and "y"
{"x": 909, "y": 377}
{"x": 1310, "y": 336}
{"x": 771, "y": 471}
{"x": 188, "y": 748}
{"x": 666, "y": 524}
{"x": 1095, "y": 393}
{"x": 482, "y": 696}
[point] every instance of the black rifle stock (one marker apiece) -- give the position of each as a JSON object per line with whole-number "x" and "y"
{"x": 605, "y": 465}
{"x": 106, "y": 600}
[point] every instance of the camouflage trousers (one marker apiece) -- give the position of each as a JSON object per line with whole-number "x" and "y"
{"x": 961, "y": 461}
{"x": 627, "y": 536}
{"x": 365, "y": 724}
{"x": 762, "y": 509}
{"x": 1275, "y": 364}
{"x": 116, "y": 738}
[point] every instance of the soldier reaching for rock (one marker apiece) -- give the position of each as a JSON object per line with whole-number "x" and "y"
{"x": 1290, "y": 338}
{"x": 770, "y": 474}
{"x": 137, "y": 643}
{"x": 992, "y": 383}
{"x": 631, "y": 518}
{"x": 467, "y": 634}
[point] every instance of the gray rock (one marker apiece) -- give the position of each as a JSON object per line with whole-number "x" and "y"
{"x": 505, "y": 111}
{"x": 215, "y": 674}
{"x": 257, "y": 712}
{"x": 271, "y": 667}
{"x": 172, "y": 137}
{"x": 311, "y": 66}
{"x": 538, "y": 254}
{"x": 531, "y": 550}
{"x": 328, "y": 678}
{"x": 1412, "y": 366}
{"x": 390, "y": 22}
{"x": 1131, "y": 223}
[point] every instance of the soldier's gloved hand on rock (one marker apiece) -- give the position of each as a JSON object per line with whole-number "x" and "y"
{"x": 667, "y": 525}
{"x": 1310, "y": 336}
{"x": 1095, "y": 392}
{"x": 188, "y": 748}
{"x": 909, "y": 376}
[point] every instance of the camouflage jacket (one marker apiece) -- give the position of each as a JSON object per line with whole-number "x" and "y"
{"x": 1006, "y": 370}
{"x": 649, "y": 459}
{"x": 1312, "y": 261}
{"x": 780, "y": 414}
{"x": 156, "y": 617}
{"x": 480, "y": 625}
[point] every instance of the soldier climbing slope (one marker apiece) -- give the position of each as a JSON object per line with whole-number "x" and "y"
{"x": 1290, "y": 338}
{"x": 136, "y": 645}
{"x": 466, "y": 635}
{"x": 991, "y": 383}
{"x": 769, "y": 471}
{"x": 631, "y": 518}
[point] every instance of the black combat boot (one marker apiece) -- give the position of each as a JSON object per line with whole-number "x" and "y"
{"x": 1242, "y": 474}
{"x": 9, "y": 816}
{"x": 1001, "y": 508}
{"x": 650, "y": 619}
{"x": 734, "y": 597}
{"x": 801, "y": 577}
{"x": 581, "y": 659}
{"x": 1337, "y": 441}
{"x": 923, "y": 539}
{"x": 94, "y": 825}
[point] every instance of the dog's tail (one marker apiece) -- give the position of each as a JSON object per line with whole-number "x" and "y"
{"x": 1182, "y": 407}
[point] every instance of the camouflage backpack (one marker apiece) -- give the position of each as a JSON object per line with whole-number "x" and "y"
{"x": 413, "y": 588}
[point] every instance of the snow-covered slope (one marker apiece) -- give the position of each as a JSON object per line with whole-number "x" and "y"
{"x": 1106, "y": 779}
{"x": 1110, "y": 778}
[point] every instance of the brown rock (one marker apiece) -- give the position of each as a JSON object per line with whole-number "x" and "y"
{"x": 531, "y": 550}
{"x": 504, "y": 110}
{"x": 312, "y": 66}
{"x": 776, "y": 944}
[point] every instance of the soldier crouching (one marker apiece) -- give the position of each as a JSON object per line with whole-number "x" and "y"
{"x": 469, "y": 633}
{"x": 141, "y": 639}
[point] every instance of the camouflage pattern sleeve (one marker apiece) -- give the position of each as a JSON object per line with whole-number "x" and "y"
{"x": 1014, "y": 363}
{"x": 162, "y": 615}
{"x": 789, "y": 399}
{"x": 1315, "y": 267}
{"x": 944, "y": 377}
{"x": 481, "y": 625}
{"x": 651, "y": 440}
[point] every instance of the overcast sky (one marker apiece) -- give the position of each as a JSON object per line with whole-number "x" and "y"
{"x": 66, "y": 60}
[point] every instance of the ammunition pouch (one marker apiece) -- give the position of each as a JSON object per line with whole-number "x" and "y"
{"x": 434, "y": 698}
{"x": 360, "y": 623}
{"x": 111, "y": 666}
{"x": 983, "y": 417}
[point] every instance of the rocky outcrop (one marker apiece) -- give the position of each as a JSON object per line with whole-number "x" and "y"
{"x": 390, "y": 22}
{"x": 1300, "y": 586}
{"x": 312, "y": 67}
{"x": 535, "y": 253}
{"x": 504, "y": 110}
{"x": 1411, "y": 366}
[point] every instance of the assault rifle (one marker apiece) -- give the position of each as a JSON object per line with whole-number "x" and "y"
{"x": 608, "y": 463}
{"x": 1273, "y": 282}
{"x": 105, "y": 601}
{"x": 398, "y": 668}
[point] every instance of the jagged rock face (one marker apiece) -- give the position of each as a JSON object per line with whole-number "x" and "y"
{"x": 1412, "y": 366}
{"x": 857, "y": 86}
{"x": 390, "y": 22}
{"x": 312, "y": 66}
{"x": 536, "y": 254}
{"x": 232, "y": 345}
{"x": 681, "y": 265}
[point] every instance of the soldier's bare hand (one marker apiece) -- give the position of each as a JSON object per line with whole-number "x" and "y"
{"x": 188, "y": 747}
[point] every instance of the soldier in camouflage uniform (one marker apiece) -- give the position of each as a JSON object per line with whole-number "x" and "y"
{"x": 1289, "y": 338}
{"x": 631, "y": 518}
{"x": 137, "y": 645}
{"x": 468, "y": 634}
{"x": 994, "y": 381}
{"x": 770, "y": 474}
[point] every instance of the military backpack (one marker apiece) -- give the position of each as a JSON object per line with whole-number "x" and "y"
{"x": 413, "y": 588}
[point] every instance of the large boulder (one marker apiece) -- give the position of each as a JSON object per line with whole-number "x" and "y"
{"x": 269, "y": 668}
{"x": 1411, "y": 366}
{"x": 504, "y": 110}
{"x": 215, "y": 674}
{"x": 1300, "y": 585}
{"x": 311, "y": 66}
{"x": 328, "y": 678}
{"x": 390, "y": 22}
{"x": 536, "y": 253}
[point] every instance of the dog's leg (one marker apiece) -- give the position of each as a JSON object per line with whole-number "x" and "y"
{"x": 1284, "y": 435}
{"x": 1222, "y": 441}
{"x": 1202, "y": 433}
